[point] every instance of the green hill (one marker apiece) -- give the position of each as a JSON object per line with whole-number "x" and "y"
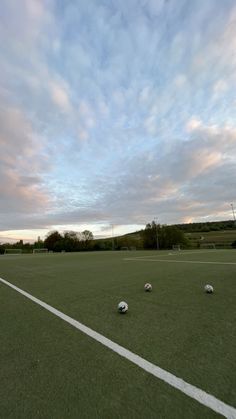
{"x": 219, "y": 233}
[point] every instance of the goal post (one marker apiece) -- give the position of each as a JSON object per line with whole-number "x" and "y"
{"x": 12, "y": 251}
{"x": 207, "y": 246}
{"x": 42, "y": 250}
{"x": 176, "y": 247}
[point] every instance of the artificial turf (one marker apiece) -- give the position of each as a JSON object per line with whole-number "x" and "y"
{"x": 51, "y": 370}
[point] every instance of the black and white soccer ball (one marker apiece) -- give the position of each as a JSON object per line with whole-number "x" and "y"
{"x": 148, "y": 287}
{"x": 123, "y": 307}
{"x": 208, "y": 289}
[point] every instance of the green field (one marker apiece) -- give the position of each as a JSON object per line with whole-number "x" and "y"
{"x": 51, "y": 370}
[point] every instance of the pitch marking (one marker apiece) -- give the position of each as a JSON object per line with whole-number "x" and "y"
{"x": 194, "y": 392}
{"x": 178, "y": 261}
{"x": 196, "y": 252}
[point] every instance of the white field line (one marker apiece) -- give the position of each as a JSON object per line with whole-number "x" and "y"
{"x": 194, "y": 392}
{"x": 196, "y": 252}
{"x": 174, "y": 253}
{"x": 179, "y": 261}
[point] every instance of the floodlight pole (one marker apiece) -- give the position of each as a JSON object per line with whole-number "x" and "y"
{"x": 232, "y": 205}
{"x": 113, "y": 245}
{"x": 157, "y": 240}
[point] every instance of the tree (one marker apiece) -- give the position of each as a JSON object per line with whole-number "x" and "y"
{"x": 171, "y": 235}
{"x": 52, "y": 238}
{"x": 71, "y": 241}
{"x": 86, "y": 239}
{"x": 163, "y": 237}
{"x": 39, "y": 244}
{"x": 150, "y": 235}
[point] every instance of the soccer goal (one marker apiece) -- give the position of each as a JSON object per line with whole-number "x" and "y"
{"x": 176, "y": 247}
{"x": 13, "y": 251}
{"x": 208, "y": 246}
{"x": 40, "y": 250}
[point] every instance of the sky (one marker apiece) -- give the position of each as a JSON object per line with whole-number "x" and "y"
{"x": 115, "y": 113}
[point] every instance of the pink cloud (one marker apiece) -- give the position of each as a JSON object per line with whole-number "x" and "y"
{"x": 60, "y": 95}
{"x": 21, "y": 164}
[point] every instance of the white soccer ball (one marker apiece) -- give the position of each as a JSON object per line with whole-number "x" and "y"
{"x": 209, "y": 289}
{"x": 123, "y": 307}
{"x": 148, "y": 287}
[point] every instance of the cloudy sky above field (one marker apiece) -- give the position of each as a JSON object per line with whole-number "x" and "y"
{"x": 116, "y": 112}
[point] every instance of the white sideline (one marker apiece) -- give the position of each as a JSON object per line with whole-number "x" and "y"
{"x": 194, "y": 392}
{"x": 186, "y": 252}
{"x": 179, "y": 261}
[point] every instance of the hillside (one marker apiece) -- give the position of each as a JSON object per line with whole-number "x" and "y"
{"x": 220, "y": 233}
{"x": 207, "y": 226}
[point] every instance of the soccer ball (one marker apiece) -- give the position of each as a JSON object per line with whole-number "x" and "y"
{"x": 122, "y": 307}
{"x": 209, "y": 289}
{"x": 148, "y": 287}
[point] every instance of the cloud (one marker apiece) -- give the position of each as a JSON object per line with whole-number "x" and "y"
{"x": 180, "y": 80}
{"x": 21, "y": 165}
{"x": 150, "y": 124}
{"x": 60, "y": 96}
{"x": 83, "y": 135}
{"x": 220, "y": 87}
{"x": 132, "y": 104}
{"x": 187, "y": 181}
{"x": 193, "y": 124}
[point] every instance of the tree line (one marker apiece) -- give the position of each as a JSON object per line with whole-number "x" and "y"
{"x": 71, "y": 241}
{"x": 156, "y": 236}
{"x": 153, "y": 236}
{"x": 207, "y": 226}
